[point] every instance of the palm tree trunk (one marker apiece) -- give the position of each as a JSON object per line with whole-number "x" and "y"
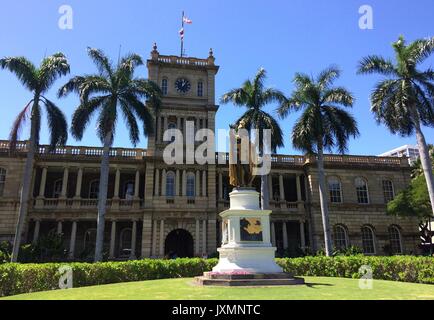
{"x": 265, "y": 199}
{"x": 25, "y": 191}
{"x": 102, "y": 198}
{"x": 323, "y": 200}
{"x": 425, "y": 161}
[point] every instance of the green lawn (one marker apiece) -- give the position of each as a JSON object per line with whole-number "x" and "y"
{"x": 173, "y": 289}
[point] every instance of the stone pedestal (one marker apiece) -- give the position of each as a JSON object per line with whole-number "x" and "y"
{"x": 247, "y": 257}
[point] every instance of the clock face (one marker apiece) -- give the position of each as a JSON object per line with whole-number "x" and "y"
{"x": 182, "y": 85}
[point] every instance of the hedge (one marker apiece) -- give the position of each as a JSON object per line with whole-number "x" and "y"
{"x": 25, "y": 278}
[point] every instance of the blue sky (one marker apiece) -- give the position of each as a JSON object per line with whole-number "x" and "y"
{"x": 284, "y": 37}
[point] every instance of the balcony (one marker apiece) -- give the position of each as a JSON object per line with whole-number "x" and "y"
{"x": 75, "y": 151}
{"x": 89, "y": 204}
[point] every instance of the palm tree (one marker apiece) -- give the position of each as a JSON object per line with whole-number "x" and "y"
{"x": 404, "y": 101}
{"x": 254, "y": 97}
{"x": 323, "y": 125}
{"x": 111, "y": 91}
{"x": 38, "y": 81}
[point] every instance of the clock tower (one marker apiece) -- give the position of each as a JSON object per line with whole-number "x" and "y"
{"x": 180, "y": 198}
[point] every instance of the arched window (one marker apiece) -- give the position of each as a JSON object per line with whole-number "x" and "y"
{"x": 89, "y": 239}
{"x": 368, "y": 240}
{"x": 340, "y": 237}
{"x": 395, "y": 240}
{"x": 388, "y": 190}
{"x": 191, "y": 180}
{"x": 57, "y": 189}
{"x": 200, "y": 89}
{"x": 362, "y": 191}
{"x": 2, "y": 181}
{"x": 170, "y": 184}
{"x": 94, "y": 189}
{"x": 128, "y": 190}
{"x": 335, "y": 190}
{"x": 164, "y": 86}
{"x": 125, "y": 242}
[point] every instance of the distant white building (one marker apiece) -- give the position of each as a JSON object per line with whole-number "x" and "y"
{"x": 409, "y": 151}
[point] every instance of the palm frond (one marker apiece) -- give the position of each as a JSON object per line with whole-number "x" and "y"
{"x": 339, "y": 95}
{"x": 25, "y": 71}
{"x": 102, "y": 62}
{"x": 328, "y": 76}
{"x": 17, "y": 126}
{"x": 51, "y": 69}
{"x": 375, "y": 64}
{"x": 83, "y": 114}
{"x": 57, "y": 124}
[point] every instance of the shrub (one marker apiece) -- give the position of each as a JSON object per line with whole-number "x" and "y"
{"x": 24, "y": 278}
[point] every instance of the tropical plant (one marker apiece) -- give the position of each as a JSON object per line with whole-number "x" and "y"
{"x": 254, "y": 96}
{"x": 414, "y": 201}
{"x": 323, "y": 125}
{"x": 404, "y": 101}
{"x": 38, "y": 80}
{"x": 113, "y": 90}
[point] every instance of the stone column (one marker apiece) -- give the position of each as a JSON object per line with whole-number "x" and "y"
{"x": 112, "y": 240}
{"x": 157, "y": 182}
{"x": 154, "y": 238}
{"x": 285, "y": 235}
{"x": 178, "y": 123}
{"x": 197, "y": 183}
{"x": 133, "y": 240}
{"x": 163, "y": 183}
{"x": 282, "y": 189}
{"x": 36, "y": 231}
{"x": 59, "y": 227}
{"x": 72, "y": 240}
{"x": 177, "y": 178}
{"x": 158, "y": 133}
{"x": 220, "y": 186}
{"x": 197, "y": 238}
{"x": 184, "y": 183}
{"x": 79, "y": 183}
{"x": 204, "y": 183}
{"x": 204, "y": 225}
{"x": 302, "y": 236}
{"x": 162, "y": 238}
{"x": 165, "y": 126}
{"x": 299, "y": 188}
{"x": 65, "y": 183}
{"x": 137, "y": 184}
{"x": 270, "y": 187}
{"x": 273, "y": 234}
{"x": 117, "y": 182}
{"x": 43, "y": 182}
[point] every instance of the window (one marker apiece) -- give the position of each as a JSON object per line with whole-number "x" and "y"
{"x": 395, "y": 240}
{"x": 362, "y": 191}
{"x": 2, "y": 181}
{"x": 388, "y": 191}
{"x": 171, "y": 126}
{"x": 94, "y": 189}
{"x": 170, "y": 184}
{"x": 128, "y": 190}
{"x": 200, "y": 89}
{"x": 89, "y": 239}
{"x": 368, "y": 240}
{"x": 191, "y": 185}
{"x": 340, "y": 237}
{"x": 57, "y": 190}
{"x": 335, "y": 190}
{"x": 164, "y": 86}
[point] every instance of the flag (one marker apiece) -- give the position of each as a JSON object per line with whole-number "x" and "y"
{"x": 181, "y": 33}
{"x": 187, "y": 20}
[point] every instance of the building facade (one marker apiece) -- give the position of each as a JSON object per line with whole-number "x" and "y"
{"x": 409, "y": 151}
{"x": 160, "y": 210}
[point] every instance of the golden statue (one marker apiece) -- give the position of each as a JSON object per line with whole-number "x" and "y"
{"x": 240, "y": 173}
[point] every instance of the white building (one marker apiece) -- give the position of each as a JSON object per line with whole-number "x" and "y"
{"x": 409, "y": 151}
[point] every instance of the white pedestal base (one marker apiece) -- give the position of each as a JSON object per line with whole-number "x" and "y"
{"x": 247, "y": 259}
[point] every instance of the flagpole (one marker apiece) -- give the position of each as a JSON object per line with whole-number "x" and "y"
{"x": 182, "y": 38}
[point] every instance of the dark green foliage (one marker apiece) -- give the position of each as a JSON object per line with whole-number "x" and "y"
{"x": 24, "y": 278}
